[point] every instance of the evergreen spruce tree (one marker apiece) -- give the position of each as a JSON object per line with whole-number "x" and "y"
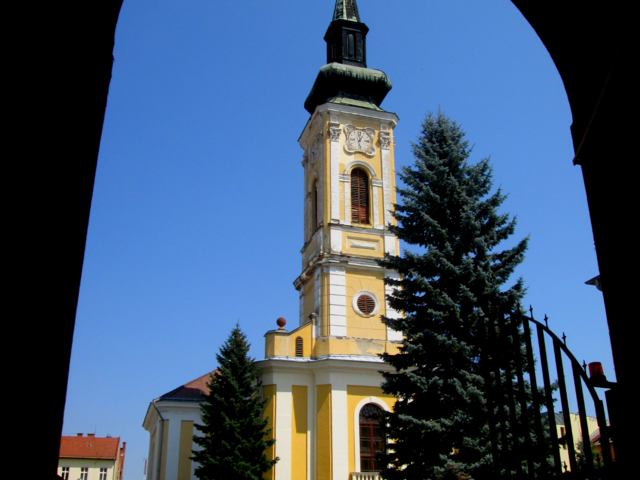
{"x": 234, "y": 444}
{"x": 447, "y": 288}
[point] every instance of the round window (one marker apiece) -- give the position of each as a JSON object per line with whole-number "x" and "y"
{"x": 365, "y": 303}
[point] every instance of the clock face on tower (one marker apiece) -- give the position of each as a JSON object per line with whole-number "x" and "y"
{"x": 359, "y": 140}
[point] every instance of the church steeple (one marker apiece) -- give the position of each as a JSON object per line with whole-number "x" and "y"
{"x": 346, "y": 36}
{"x": 345, "y": 77}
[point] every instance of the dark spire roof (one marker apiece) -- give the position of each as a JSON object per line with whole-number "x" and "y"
{"x": 346, "y": 36}
{"x": 346, "y": 10}
{"x": 346, "y": 78}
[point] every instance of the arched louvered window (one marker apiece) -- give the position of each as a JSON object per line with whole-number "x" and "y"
{"x": 298, "y": 346}
{"x": 359, "y": 196}
{"x": 371, "y": 437}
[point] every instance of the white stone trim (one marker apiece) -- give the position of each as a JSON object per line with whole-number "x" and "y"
{"x": 360, "y": 163}
{"x": 320, "y": 212}
{"x": 390, "y": 244}
{"x": 337, "y": 301}
{"x": 354, "y": 303}
{"x": 284, "y": 400}
{"x": 317, "y": 292}
{"x": 339, "y": 426}
{"x": 376, "y": 213}
{"x": 347, "y": 200}
{"x": 334, "y": 132}
{"x": 356, "y": 425}
{"x": 365, "y": 244}
{"x": 336, "y": 240}
{"x": 392, "y": 335}
{"x": 386, "y": 185}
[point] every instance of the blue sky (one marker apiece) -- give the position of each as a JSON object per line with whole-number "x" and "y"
{"x": 196, "y": 219}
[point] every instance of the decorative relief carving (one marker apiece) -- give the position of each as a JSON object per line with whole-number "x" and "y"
{"x": 385, "y": 140}
{"x": 313, "y": 154}
{"x": 365, "y": 245}
{"x": 359, "y": 140}
{"x": 334, "y": 132}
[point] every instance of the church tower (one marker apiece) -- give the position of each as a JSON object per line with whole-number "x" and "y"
{"x": 321, "y": 377}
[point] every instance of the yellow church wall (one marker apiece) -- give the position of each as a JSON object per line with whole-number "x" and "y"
{"x": 303, "y": 332}
{"x": 299, "y": 433}
{"x": 365, "y": 327}
{"x": 323, "y": 432}
{"x": 283, "y": 344}
{"x": 269, "y": 392}
{"x": 350, "y": 346}
{"x": 309, "y": 298}
{"x": 276, "y": 344}
{"x": 184, "y": 451}
{"x": 355, "y": 394}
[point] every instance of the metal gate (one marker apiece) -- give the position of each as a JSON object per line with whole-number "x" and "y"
{"x": 524, "y": 441}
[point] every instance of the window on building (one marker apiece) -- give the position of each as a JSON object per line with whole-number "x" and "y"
{"x": 84, "y": 474}
{"x": 365, "y": 303}
{"x": 298, "y": 346}
{"x": 371, "y": 437}
{"x": 65, "y": 473}
{"x": 359, "y": 196}
{"x": 103, "y": 474}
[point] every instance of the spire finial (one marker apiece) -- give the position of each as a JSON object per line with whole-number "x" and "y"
{"x": 346, "y": 10}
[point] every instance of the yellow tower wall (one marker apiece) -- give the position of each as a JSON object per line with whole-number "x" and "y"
{"x": 323, "y": 439}
{"x": 365, "y": 327}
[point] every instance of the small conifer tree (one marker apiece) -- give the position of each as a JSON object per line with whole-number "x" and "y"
{"x": 234, "y": 443}
{"x": 449, "y": 283}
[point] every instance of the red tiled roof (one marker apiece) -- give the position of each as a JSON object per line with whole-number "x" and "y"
{"x": 89, "y": 447}
{"x": 194, "y": 390}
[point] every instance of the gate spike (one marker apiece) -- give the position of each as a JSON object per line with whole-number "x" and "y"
{"x": 531, "y": 311}
{"x": 546, "y": 320}
{"x": 584, "y": 365}
{"x": 564, "y": 338}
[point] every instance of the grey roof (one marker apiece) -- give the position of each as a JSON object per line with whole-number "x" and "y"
{"x": 346, "y": 10}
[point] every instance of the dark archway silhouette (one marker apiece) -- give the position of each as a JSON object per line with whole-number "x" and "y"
{"x": 64, "y": 71}
{"x": 590, "y": 45}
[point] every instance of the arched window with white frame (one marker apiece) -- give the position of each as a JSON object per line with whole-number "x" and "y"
{"x": 368, "y": 435}
{"x": 359, "y": 196}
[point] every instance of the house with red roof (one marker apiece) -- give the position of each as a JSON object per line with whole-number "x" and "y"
{"x": 91, "y": 458}
{"x": 170, "y": 421}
